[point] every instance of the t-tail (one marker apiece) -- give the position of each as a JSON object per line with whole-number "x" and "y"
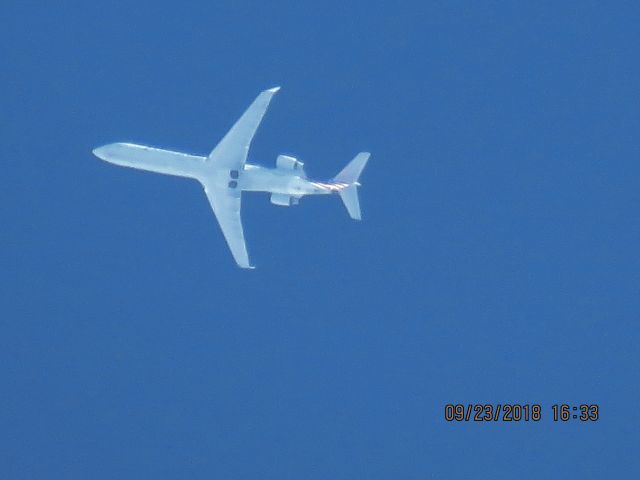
{"x": 349, "y": 176}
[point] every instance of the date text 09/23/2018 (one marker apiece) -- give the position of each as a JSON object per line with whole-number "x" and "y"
{"x": 519, "y": 412}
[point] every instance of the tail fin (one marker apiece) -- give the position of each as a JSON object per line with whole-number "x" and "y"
{"x": 350, "y": 175}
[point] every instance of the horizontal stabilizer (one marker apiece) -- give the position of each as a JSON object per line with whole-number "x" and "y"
{"x": 349, "y": 197}
{"x": 352, "y": 171}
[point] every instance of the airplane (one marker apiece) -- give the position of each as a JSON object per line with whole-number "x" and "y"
{"x": 225, "y": 174}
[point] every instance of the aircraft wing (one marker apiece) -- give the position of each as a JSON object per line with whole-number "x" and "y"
{"x": 231, "y": 152}
{"x": 226, "y": 206}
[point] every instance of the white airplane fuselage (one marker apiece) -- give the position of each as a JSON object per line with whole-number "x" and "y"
{"x": 256, "y": 178}
{"x": 252, "y": 178}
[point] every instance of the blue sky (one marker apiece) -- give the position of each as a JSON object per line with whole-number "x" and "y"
{"x": 497, "y": 260}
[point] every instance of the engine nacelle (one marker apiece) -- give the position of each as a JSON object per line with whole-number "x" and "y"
{"x": 285, "y": 162}
{"x": 281, "y": 199}
{"x": 284, "y": 200}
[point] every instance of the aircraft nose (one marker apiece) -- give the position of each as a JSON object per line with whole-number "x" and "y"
{"x": 102, "y": 152}
{"x": 99, "y": 152}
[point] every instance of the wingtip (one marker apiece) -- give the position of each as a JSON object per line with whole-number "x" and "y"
{"x": 273, "y": 90}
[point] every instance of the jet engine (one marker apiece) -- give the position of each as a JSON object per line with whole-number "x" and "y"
{"x": 286, "y": 162}
{"x": 284, "y": 200}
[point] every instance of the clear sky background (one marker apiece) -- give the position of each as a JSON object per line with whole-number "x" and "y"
{"x": 497, "y": 260}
